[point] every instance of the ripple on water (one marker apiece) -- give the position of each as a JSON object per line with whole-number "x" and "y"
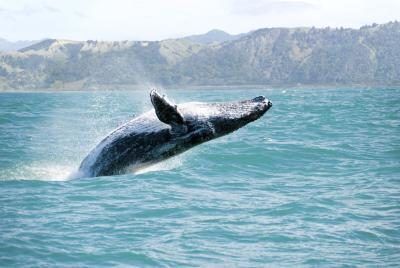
{"x": 313, "y": 183}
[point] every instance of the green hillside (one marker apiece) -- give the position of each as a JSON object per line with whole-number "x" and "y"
{"x": 276, "y": 56}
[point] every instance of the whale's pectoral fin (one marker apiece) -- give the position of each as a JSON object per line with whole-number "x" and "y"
{"x": 167, "y": 112}
{"x": 202, "y": 134}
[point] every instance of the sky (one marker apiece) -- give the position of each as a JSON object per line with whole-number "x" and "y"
{"x": 162, "y": 19}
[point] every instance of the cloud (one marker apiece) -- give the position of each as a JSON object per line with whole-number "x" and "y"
{"x": 28, "y": 10}
{"x": 51, "y": 9}
{"x": 80, "y": 14}
{"x": 159, "y": 19}
{"x": 262, "y": 7}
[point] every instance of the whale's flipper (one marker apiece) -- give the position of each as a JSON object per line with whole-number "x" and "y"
{"x": 167, "y": 112}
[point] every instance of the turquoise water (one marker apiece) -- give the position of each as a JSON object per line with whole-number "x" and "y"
{"x": 315, "y": 182}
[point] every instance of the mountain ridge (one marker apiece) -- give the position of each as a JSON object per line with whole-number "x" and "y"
{"x": 369, "y": 55}
{"x": 213, "y": 36}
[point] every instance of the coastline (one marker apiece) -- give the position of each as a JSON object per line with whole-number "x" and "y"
{"x": 101, "y": 88}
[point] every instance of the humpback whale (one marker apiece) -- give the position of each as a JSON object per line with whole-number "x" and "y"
{"x": 167, "y": 130}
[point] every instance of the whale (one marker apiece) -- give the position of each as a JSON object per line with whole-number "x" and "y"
{"x": 167, "y": 130}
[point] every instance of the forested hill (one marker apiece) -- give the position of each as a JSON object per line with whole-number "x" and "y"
{"x": 369, "y": 56}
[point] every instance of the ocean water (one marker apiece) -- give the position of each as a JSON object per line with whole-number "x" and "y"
{"x": 315, "y": 182}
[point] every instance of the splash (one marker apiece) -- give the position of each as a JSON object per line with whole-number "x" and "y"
{"x": 165, "y": 165}
{"x": 76, "y": 174}
{"x": 38, "y": 171}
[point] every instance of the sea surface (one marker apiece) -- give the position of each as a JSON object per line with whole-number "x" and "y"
{"x": 314, "y": 182}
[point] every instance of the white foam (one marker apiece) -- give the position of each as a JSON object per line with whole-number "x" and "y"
{"x": 165, "y": 165}
{"x": 39, "y": 171}
{"x": 76, "y": 174}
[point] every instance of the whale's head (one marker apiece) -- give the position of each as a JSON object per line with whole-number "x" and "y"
{"x": 206, "y": 121}
{"x": 230, "y": 116}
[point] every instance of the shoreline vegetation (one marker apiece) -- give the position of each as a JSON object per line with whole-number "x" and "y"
{"x": 267, "y": 58}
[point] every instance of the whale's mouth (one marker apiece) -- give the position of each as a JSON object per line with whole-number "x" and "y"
{"x": 263, "y": 99}
{"x": 252, "y": 109}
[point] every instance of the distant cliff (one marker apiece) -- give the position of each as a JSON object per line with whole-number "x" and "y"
{"x": 277, "y": 56}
